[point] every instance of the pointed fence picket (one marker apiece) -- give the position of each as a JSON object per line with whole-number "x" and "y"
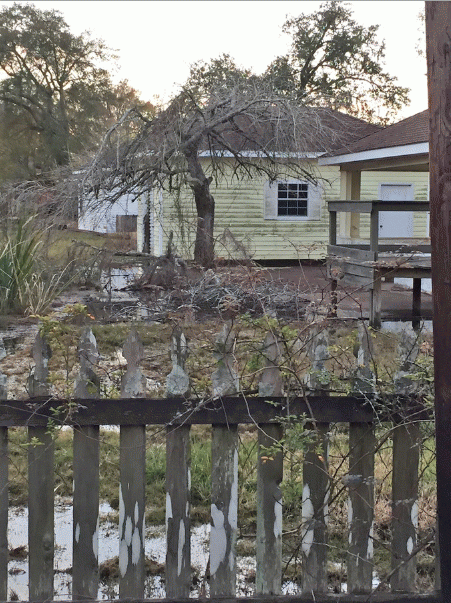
{"x": 225, "y": 411}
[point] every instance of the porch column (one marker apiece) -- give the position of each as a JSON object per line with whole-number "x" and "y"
{"x": 350, "y": 191}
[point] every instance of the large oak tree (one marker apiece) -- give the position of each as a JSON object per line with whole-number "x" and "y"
{"x": 56, "y": 94}
{"x": 335, "y": 61}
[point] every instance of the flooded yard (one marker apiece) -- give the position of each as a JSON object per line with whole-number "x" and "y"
{"x": 155, "y": 547}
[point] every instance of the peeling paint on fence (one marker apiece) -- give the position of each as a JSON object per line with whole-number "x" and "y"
{"x": 218, "y": 539}
{"x": 178, "y": 554}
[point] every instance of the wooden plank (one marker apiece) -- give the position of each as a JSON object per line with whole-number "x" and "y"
{"x": 340, "y": 269}
{"x": 315, "y": 498}
{"x": 323, "y": 598}
{"x": 406, "y": 458}
{"x": 352, "y": 206}
{"x": 340, "y": 251}
{"x": 405, "y": 248}
{"x": 269, "y": 476}
{"x": 376, "y": 303}
{"x": 377, "y": 204}
{"x": 3, "y": 513}
{"x": 351, "y": 280}
{"x": 374, "y": 230}
{"x": 269, "y": 511}
{"x": 224, "y": 510}
{"x": 224, "y": 502}
{"x": 132, "y": 489}
{"x": 355, "y": 269}
{"x": 131, "y": 511}
{"x": 360, "y": 481}
{"x": 416, "y": 303}
{"x": 40, "y": 513}
{"x": 3, "y": 490}
{"x": 85, "y": 572}
{"x": 392, "y": 205}
{"x": 377, "y": 597}
{"x": 178, "y": 555}
{"x": 402, "y": 246}
{"x": 175, "y": 411}
{"x": 332, "y": 227}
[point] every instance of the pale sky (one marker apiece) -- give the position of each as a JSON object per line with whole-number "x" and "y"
{"x": 158, "y": 40}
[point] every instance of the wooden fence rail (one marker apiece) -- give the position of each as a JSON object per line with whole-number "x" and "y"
{"x": 225, "y": 412}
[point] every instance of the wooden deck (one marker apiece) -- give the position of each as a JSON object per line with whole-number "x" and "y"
{"x": 366, "y": 266}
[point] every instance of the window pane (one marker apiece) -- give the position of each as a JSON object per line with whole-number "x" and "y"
{"x": 293, "y": 199}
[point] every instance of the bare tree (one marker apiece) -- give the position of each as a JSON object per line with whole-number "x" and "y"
{"x": 254, "y": 128}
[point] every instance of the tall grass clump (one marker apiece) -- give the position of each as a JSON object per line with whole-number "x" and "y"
{"x": 24, "y": 286}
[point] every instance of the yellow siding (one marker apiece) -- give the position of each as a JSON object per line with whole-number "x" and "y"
{"x": 242, "y": 230}
{"x": 370, "y": 190}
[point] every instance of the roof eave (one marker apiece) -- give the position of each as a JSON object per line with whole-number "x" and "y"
{"x": 408, "y": 150}
{"x": 261, "y": 154}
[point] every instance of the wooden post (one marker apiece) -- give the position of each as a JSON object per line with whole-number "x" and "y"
{"x": 269, "y": 476}
{"x": 364, "y": 381}
{"x": 40, "y": 489}
{"x": 376, "y": 289}
{"x": 3, "y": 490}
{"x": 360, "y": 479}
{"x": 376, "y": 302}
{"x": 332, "y": 228}
{"x": 316, "y": 483}
{"x": 85, "y": 573}
{"x": 438, "y": 35}
{"x": 350, "y": 190}
{"x": 37, "y": 381}
{"x": 416, "y": 304}
{"x": 224, "y": 479}
{"x": 406, "y": 459}
{"x": 178, "y": 482}
{"x": 133, "y": 480}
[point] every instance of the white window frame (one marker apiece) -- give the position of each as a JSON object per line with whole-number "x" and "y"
{"x": 314, "y": 201}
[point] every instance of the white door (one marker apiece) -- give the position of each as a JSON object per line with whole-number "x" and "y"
{"x": 395, "y": 224}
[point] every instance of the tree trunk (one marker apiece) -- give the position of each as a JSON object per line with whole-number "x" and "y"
{"x": 204, "y": 246}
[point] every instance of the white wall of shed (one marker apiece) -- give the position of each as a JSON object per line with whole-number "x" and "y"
{"x": 99, "y": 215}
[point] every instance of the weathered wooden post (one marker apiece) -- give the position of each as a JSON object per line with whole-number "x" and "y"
{"x": 224, "y": 474}
{"x": 178, "y": 479}
{"x": 360, "y": 479}
{"x": 85, "y": 573}
{"x": 376, "y": 288}
{"x": 438, "y": 50}
{"x": 316, "y": 484}
{"x": 269, "y": 476}
{"x": 132, "y": 480}
{"x": 40, "y": 487}
{"x": 406, "y": 459}
{"x": 3, "y": 490}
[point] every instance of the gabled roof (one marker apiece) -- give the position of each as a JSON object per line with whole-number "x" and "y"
{"x": 406, "y": 138}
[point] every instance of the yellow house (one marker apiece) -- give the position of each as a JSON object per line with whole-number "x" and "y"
{"x": 282, "y": 220}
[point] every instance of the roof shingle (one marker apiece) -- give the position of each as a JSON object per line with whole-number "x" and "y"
{"x": 412, "y": 130}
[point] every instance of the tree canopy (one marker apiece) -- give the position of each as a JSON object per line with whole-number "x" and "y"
{"x": 56, "y": 94}
{"x": 335, "y": 61}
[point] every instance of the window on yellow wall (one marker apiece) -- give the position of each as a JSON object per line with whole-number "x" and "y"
{"x": 292, "y": 200}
